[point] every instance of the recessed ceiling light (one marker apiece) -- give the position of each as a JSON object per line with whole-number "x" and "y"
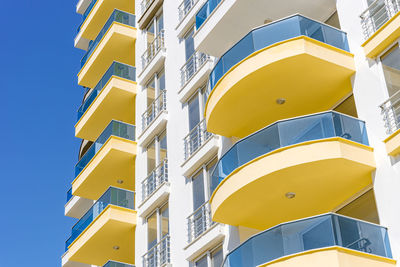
{"x": 290, "y": 195}
{"x": 280, "y": 101}
{"x": 120, "y": 181}
{"x": 116, "y": 247}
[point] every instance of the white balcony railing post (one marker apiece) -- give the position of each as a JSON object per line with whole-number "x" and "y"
{"x": 155, "y": 179}
{"x": 159, "y": 255}
{"x": 199, "y": 221}
{"x": 391, "y": 113}
{"x": 377, "y": 14}
{"x": 152, "y": 49}
{"x": 156, "y": 107}
{"x": 196, "y": 138}
{"x": 192, "y": 66}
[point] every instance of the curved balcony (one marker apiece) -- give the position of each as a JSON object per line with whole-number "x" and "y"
{"x": 292, "y": 169}
{"x": 313, "y": 242}
{"x": 288, "y": 68}
{"x": 112, "y": 98}
{"x": 106, "y": 231}
{"x": 108, "y": 162}
{"x": 115, "y": 42}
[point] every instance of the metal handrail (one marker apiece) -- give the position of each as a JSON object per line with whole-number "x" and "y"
{"x": 199, "y": 221}
{"x": 377, "y": 14}
{"x": 155, "y": 179}
{"x": 156, "y": 107}
{"x": 391, "y": 113}
{"x": 158, "y": 255}
{"x": 192, "y": 66}
{"x": 185, "y": 7}
{"x": 196, "y": 138}
{"x": 152, "y": 49}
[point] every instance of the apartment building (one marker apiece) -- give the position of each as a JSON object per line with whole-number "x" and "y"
{"x": 237, "y": 133}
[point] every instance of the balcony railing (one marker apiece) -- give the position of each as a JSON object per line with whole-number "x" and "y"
{"x": 117, "y": 264}
{"x": 377, "y": 14}
{"x": 205, "y": 11}
{"x": 116, "y": 16}
{"x": 144, "y": 5}
{"x": 69, "y": 195}
{"x": 307, "y": 234}
{"x": 273, "y": 33}
{"x": 192, "y": 66}
{"x": 87, "y": 12}
{"x": 159, "y": 255}
{"x": 199, "y": 221}
{"x": 391, "y": 113}
{"x": 115, "y": 128}
{"x": 285, "y": 133}
{"x": 185, "y": 7}
{"x": 116, "y": 69}
{"x": 196, "y": 138}
{"x": 113, "y": 196}
{"x": 154, "y": 109}
{"x": 157, "y": 177}
{"x": 152, "y": 49}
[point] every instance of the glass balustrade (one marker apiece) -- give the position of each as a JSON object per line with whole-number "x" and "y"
{"x": 115, "y": 128}
{"x": 86, "y": 14}
{"x": 69, "y": 195}
{"x": 285, "y": 133}
{"x": 205, "y": 11}
{"x": 116, "y": 16}
{"x": 312, "y": 233}
{"x": 116, "y": 69}
{"x": 113, "y": 196}
{"x": 117, "y": 264}
{"x": 273, "y": 33}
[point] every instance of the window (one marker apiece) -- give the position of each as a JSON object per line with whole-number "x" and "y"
{"x": 156, "y": 151}
{"x": 155, "y": 89}
{"x": 391, "y": 69}
{"x": 189, "y": 43}
{"x": 212, "y": 258}
{"x": 154, "y": 28}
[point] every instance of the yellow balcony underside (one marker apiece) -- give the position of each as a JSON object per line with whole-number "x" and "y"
{"x": 114, "y": 161}
{"x": 118, "y": 44}
{"x": 115, "y": 102}
{"x": 115, "y": 226}
{"x": 393, "y": 144}
{"x": 310, "y": 75}
{"x": 332, "y": 257}
{"x": 383, "y": 37}
{"x": 100, "y": 13}
{"x": 323, "y": 174}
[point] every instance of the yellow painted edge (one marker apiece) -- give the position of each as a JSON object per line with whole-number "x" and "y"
{"x": 101, "y": 40}
{"x": 380, "y": 29}
{"x": 392, "y": 136}
{"x": 101, "y": 148}
{"x": 339, "y": 139}
{"x": 101, "y": 91}
{"x": 87, "y": 17}
{"x": 109, "y": 206}
{"x": 269, "y": 47}
{"x": 338, "y": 248}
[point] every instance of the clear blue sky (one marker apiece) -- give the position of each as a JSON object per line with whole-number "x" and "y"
{"x": 39, "y": 100}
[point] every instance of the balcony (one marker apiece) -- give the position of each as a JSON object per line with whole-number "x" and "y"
{"x": 381, "y": 26}
{"x": 76, "y": 206}
{"x": 95, "y": 15}
{"x": 271, "y": 75}
{"x": 159, "y": 255}
{"x": 106, "y": 231}
{"x": 197, "y": 137}
{"x": 322, "y": 240}
{"x": 112, "y": 98}
{"x": 192, "y": 66}
{"x": 148, "y": 9}
{"x": 110, "y": 161}
{"x": 199, "y": 222}
{"x": 285, "y": 163}
{"x": 187, "y": 10}
{"x": 391, "y": 116}
{"x": 153, "y": 58}
{"x": 220, "y": 23}
{"x": 115, "y": 42}
{"x": 154, "y": 110}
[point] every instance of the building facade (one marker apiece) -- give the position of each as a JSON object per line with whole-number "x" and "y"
{"x": 237, "y": 133}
